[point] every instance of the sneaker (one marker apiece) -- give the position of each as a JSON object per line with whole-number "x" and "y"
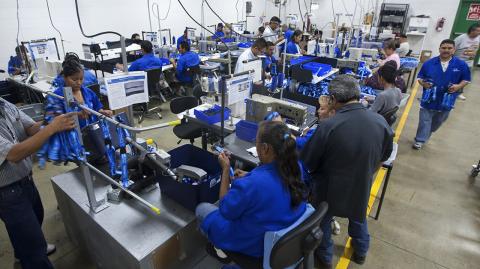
{"x": 51, "y": 248}
{"x": 358, "y": 259}
{"x": 462, "y": 97}
{"x": 335, "y": 227}
{"x": 217, "y": 254}
{"x": 417, "y": 145}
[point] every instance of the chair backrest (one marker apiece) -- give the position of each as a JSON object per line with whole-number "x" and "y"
{"x": 300, "y": 241}
{"x": 193, "y": 71}
{"x": 153, "y": 77}
{"x": 390, "y": 115}
{"x": 181, "y": 104}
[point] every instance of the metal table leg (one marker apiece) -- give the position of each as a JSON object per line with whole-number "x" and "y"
{"x": 384, "y": 189}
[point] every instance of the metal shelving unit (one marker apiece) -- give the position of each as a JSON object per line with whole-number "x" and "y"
{"x": 394, "y": 17}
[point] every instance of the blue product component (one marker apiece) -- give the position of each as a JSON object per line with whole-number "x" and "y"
{"x": 337, "y": 52}
{"x": 280, "y": 79}
{"x": 123, "y": 156}
{"x": 221, "y": 150}
{"x": 448, "y": 101}
{"x": 109, "y": 149}
{"x": 164, "y": 41}
{"x": 273, "y": 69}
{"x": 173, "y": 40}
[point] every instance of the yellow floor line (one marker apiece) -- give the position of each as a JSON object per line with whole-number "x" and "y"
{"x": 344, "y": 261}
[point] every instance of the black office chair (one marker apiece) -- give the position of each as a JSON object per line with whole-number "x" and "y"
{"x": 153, "y": 79}
{"x": 390, "y": 115}
{"x": 298, "y": 243}
{"x": 194, "y": 72}
{"x": 185, "y": 130}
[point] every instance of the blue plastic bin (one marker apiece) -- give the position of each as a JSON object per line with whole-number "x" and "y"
{"x": 187, "y": 195}
{"x": 212, "y": 115}
{"x": 246, "y": 130}
{"x": 318, "y": 69}
{"x": 301, "y": 59}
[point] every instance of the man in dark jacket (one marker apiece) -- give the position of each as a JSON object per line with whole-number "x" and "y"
{"x": 342, "y": 157}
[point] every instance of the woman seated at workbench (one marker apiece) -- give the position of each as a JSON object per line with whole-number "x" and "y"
{"x": 293, "y": 46}
{"x": 73, "y": 75}
{"x": 391, "y": 96}
{"x": 88, "y": 77}
{"x": 245, "y": 211}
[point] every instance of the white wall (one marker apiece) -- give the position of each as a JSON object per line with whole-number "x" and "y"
{"x": 123, "y": 16}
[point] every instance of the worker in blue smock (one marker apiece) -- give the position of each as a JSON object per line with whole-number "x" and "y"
{"x": 72, "y": 73}
{"x": 219, "y": 32}
{"x": 184, "y": 37}
{"x": 15, "y": 64}
{"x": 269, "y": 58}
{"x": 186, "y": 60}
{"x": 293, "y": 46}
{"x": 442, "y": 78}
{"x": 88, "y": 77}
{"x": 245, "y": 211}
{"x": 148, "y": 60}
{"x": 287, "y": 34}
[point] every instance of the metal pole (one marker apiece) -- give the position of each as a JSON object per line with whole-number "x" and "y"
{"x": 130, "y": 116}
{"x": 223, "y": 87}
{"x": 95, "y": 206}
{"x": 149, "y": 16}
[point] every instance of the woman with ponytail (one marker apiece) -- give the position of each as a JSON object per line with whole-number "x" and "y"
{"x": 88, "y": 77}
{"x": 269, "y": 198}
{"x": 73, "y": 75}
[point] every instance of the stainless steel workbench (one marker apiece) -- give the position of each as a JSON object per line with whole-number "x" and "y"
{"x": 128, "y": 235}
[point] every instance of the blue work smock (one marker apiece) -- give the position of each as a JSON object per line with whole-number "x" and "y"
{"x": 218, "y": 34}
{"x": 91, "y": 100}
{"x": 456, "y": 72}
{"x": 292, "y": 48}
{"x": 181, "y": 39}
{"x": 247, "y": 211}
{"x": 186, "y": 60}
{"x": 88, "y": 79}
{"x": 267, "y": 62}
{"x": 13, "y": 63}
{"x": 288, "y": 35}
{"x": 148, "y": 61}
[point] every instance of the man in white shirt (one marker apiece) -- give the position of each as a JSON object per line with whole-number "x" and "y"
{"x": 466, "y": 47}
{"x": 271, "y": 33}
{"x": 257, "y": 49}
{"x": 404, "y": 47}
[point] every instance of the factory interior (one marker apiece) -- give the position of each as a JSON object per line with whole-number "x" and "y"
{"x": 239, "y": 134}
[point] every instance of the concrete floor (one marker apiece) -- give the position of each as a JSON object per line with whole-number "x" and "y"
{"x": 430, "y": 218}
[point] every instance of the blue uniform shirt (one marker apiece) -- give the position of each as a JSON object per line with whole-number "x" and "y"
{"x": 288, "y": 35}
{"x": 55, "y": 105}
{"x": 218, "y": 34}
{"x": 292, "y": 48}
{"x": 148, "y": 61}
{"x": 456, "y": 72}
{"x": 247, "y": 211}
{"x": 14, "y": 62}
{"x": 267, "y": 62}
{"x": 186, "y": 60}
{"x": 88, "y": 79}
{"x": 181, "y": 39}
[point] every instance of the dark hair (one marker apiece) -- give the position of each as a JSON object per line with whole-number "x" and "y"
{"x": 260, "y": 43}
{"x": 344, "y": 88}
{"x": 278, "y": 136}
{"x": 389, "y": 44}
{"x": 403, "y": 36}
{"x": 220, "y": 25}
{"x": 146, "y": 46}
{"x": 270, "y": 44}
{"x": 275, "y": 19}
{"x": 388, "y": 72}
{"x": 261, "y": 29}
{"x": 71, "y": 65}
{"x": 135, "y": 35}
{"x": 296, "y": 33}
{"x": 186, "y": 31}
{"x": 184, "y": 44}
{"x": 19, "y": 49}
{"x": 472, "y": 27}
{"x": 447, "y": 41}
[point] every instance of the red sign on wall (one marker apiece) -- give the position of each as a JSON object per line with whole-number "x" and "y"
{"x": 473, "y": 12}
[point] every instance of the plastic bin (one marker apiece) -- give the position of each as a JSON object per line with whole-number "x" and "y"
{"x": 318, "y": 69}
{"x": 187, "y": 195}
{"x": 212, "y": 115}
{"x": 246, "y": 130}
{"x": 300, "y": 59}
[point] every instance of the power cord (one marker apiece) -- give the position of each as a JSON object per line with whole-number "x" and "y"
{"x": 51, "y": 22}
{"x": 81, "y": 28}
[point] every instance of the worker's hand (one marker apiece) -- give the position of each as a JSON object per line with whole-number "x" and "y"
{"x": 119, "y": 66}
{"x": 224, "y": 160}
{"x": 239, "y": 173}
{"x": 454, "y": 88}
{"x": 172, "y": 61}
{"x": 106, "y": 112}
{"x": 426, "y": 85}
{"x": 83, "y": 114}
{"x": 63, "y": 122}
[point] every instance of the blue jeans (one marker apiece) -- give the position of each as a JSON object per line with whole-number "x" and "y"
{"x": 22, "y": 212}
{"x": 358, "y": 231}
{"x": 202, "y": 211}
{"x": 429, "y": 122}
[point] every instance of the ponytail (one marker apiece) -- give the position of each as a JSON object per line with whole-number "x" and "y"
{"x": 71, "y": 65}
{"x": 279, "y": 137}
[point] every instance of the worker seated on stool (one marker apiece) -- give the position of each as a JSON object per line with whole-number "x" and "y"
{"x": 187, "y": 59}
{"x": 245, "y": 211}
{"x": 72, "y": 73}
{"x": 148, "y": 60}
{"x": 391, "y": 96}
{"x": 88, "y": 77}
